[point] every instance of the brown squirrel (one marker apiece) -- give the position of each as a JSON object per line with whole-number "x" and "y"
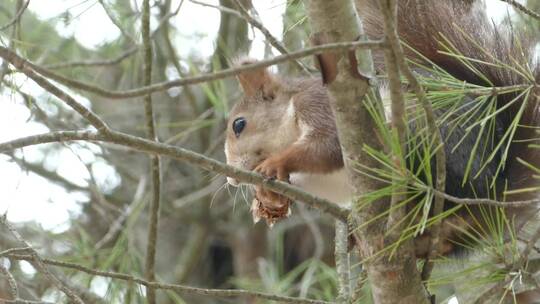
{"x": 285, "y": 128}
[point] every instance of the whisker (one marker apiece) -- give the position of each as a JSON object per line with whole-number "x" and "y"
{"x": 216, "y": 193}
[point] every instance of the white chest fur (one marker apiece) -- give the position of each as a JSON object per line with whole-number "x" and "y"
{"x": 334, "y": 186}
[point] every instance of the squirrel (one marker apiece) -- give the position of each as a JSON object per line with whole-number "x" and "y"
{"x": 284, "y": 127}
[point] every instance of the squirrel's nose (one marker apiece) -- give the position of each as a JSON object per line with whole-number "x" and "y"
{"x": 232, "y": 181}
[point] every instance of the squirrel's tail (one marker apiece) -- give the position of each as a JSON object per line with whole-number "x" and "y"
{"x": 430, "y": 26}
{"x": 484, "y": 54}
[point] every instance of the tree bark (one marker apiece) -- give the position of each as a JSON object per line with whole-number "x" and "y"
{"x": 393, "y": 279}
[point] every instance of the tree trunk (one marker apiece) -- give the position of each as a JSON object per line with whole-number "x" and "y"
{"x": 396, "y": 279}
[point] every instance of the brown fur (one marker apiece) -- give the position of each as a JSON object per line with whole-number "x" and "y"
{"x": 290, "y": 128}
{"x": 309, "y": 145}
{"x": 307, "y": 141}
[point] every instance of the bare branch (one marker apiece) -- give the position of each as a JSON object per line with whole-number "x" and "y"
{"x": 147, "y": 146}
{"x": 116, "y": 23}
{"x": 483, "y": 201}
{"x": 38, "y": 263}
{"x": 398, "y": 121}
{"x": 17, "y": 16}
{"x": 155, "y": 166}
{"x": 19, "y": 301}
{"x": 271, "y": 39}
{"x": 522, "y": 8}
{"x": 52, "y": 176}
{"x": 13, "y": 289}
{"x": 175, "y": 287}
{"x": 93, "y": 63}
{"x": 117, "y": 225}
{"x": 342, "y": 261}
{"x": 16, "y": 60}
{"x": 22, "y": 65}
{"x": 14, "y": 250}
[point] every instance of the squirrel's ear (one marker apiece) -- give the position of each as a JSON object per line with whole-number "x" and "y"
{"x": 253, "y": 80}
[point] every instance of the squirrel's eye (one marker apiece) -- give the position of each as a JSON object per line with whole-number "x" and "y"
{"x": 268, "y": 96}
{"x": 238, "y": 125}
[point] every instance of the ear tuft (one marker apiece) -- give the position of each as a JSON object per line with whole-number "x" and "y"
{"x": 253, "y": 80}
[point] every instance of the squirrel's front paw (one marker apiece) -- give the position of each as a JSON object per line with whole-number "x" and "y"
{"x": 273, "y": 168}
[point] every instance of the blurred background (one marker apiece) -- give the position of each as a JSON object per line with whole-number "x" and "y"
{"x": 88, "y": 203}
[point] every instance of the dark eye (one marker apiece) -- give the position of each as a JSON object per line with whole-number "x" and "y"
{"x": 238, "y": 125}
{"x": 268, "y": 96}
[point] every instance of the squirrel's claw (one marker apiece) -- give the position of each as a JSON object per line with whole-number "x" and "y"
{"x": 273, "y": 168}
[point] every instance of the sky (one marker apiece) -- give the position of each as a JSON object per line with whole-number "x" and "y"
{"x": 32, "y": 198}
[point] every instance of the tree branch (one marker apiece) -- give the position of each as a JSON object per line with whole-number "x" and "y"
{"x": 17, "y": 16}
{"x": 28, "y": 69}
{"x": 155, "y": 166}
{"x": 13, "y": 289}
{"x": 398, "y": 122}
{"x": 15, "y": 59}
{"x": 271, "y": 39}
{"x": 440, "y": 155}
{"x": 93, "y": 63}
{"x": 116, "y": 23}
{"x": 342, "y": 261}
{"x": 483, "y": 201}
{"x": 209, "y": 164}
{"x": 175, "y": 287}
{"x": 522, "y": 8}
{"x": 40, "y": 266}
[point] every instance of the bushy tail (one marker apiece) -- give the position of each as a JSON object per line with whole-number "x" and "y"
{"x": 484, "y": 54}
{"x": 431, "y": 26}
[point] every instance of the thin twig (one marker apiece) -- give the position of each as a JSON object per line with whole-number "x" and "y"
{"x": 342, "y": 261}
{"x": 155, "y": 166}
{"x": 14, "y": 59}
{"x": 117, "y": 225}
{"x": 14, "y": 250}
{"x": 13, "y": 289}
{"x": 482, "y": 201}
{"x": 269, "y": 37}
{"x": 22, "y": 65}
{"x": 20, "y": 301}
{"x": 93, "y": 63}
{"x": 119, "y": 58}
{"x": 50, "y": 175}
{"x": 244, "y": 14}
{"x": 116, "y": 23}
{"x": 175, "y": 287}
{"x": 399, "y": 128}
{"x": 39, "y": 265}
{"x": 17, "y": 16}
{"x": 15, "y": 33}
{"x": 358, "y": 293}
{"x": 522, "y": 8}
{"x": 196, "y": 159}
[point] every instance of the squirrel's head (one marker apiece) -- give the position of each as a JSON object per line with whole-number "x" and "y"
{"x": 262, "y": 122}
